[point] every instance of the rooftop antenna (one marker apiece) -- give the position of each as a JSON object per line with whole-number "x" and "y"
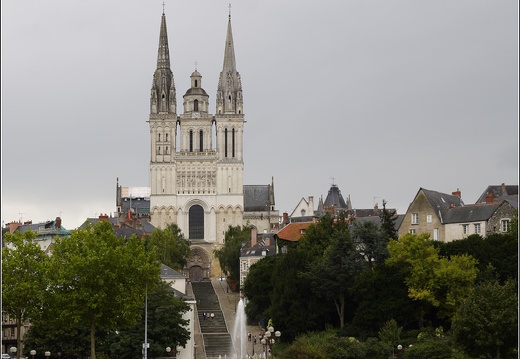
{"x": 21, "y": 216}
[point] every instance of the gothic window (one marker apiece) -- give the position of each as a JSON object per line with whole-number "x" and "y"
{"x": 166, "y": 139}
{"x": 191, "y": 140}
{"x": 159, "y": 150}
{"x": 159, "y": 137}
{"x": 196, "y": 83}
{"x": 201, "y": 141}
{"x": 225, "y": 143}
{"x": 196, "y": 220}
{"x": 196, "y": 105}
{"x": 166, "y": 150}
{"x": 233, "y": 143}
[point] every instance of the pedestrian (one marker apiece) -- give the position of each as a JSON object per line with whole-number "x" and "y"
{"x": 212, "y": 316}
{"x": 204, "y": 315}
{"x": 254, "y": 339}
{"x": 248, "y": 337}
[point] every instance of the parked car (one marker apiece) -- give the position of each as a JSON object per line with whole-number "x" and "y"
{"x": 6, "y": 356}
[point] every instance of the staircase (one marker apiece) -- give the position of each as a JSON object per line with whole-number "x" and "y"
{"x": 215, "y": 335}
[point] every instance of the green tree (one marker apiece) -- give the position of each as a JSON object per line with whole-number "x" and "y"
{"x": 24, "y": 266}
{"x": 99, "y": 280}
{"x": 166, "y": 327}
{"x": 390, "y": 333}
{"x": 334, "y": 274}
{"x": 433, "y": 280}
{"x": 172, "y": 248}
{"x": 371, "y": 241}
{"x": 229, "y": 255}
{"x": 258, "y": 287}
{"x": 486, "y": 323}
{"x": 388, "y": 220}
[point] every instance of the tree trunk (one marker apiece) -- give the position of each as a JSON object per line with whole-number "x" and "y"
{"x": 92, "y": 339}
{"x": 340, "y": 308}
{"x": 18, "y": 338}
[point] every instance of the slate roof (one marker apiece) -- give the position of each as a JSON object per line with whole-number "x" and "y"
{"x": 256, "y": 198}
{"x": 440, "y": 200}
{"x": 50, "y": 225}
{"x": 167, "y": 272}
{"x": 470, "y": 213}
{"x": 334, "y": 198}
{"x": 260, "y": 247}
{"x": 500, "y": 192}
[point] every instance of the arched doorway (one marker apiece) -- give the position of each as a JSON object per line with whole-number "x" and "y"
{"x": 196, "y": 273}
{"x": 198, "y": 264}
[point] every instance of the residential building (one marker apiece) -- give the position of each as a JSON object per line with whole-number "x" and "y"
{"x": 446, "y": 218}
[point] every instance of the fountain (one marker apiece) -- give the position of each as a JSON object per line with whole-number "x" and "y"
{"x": 240, "y": 331}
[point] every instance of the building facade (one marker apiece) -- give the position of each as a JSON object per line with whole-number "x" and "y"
{"x": 197, "y": 162}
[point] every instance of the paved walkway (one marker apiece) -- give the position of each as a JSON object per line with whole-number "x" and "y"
{"x": 228, "y": 303}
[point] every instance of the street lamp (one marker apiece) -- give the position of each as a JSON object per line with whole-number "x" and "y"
{"x": 47, "y": 354}
{"x": 178, "y": 351}
{"x": 13, "y": 351}
{"x": 33, "y": 353}
{"x": 270, "y": 338}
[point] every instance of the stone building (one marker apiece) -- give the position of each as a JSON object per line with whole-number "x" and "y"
{"x": 197, "y": 161}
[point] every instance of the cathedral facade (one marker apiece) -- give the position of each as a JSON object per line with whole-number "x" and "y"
{"x": 197, "y": 163}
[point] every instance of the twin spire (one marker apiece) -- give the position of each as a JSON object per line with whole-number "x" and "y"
{"x": 163, "y": 93}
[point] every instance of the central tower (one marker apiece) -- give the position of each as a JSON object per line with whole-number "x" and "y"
{"x": 196, "y": 162}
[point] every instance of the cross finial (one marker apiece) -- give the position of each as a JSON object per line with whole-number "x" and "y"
{"x": 195, "y": 65}
{"x": 163, "y": 7}
{"x": 230, "y": 11}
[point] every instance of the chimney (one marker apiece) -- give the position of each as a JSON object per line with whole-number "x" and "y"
{"x": 504, "y": 189}
{"x": 376, "y": 205}
{"x": 285, "y": 218}
{"x": 311, "y": 204}
{"x": 489, "y": 197}
{"x": 13, "y": 226}
{"x": 253, "y": 236}
{"x": 103, "y": 217}
{"x": 452, "y": 205}
{"x": 456, "y": 193}
{"x": 58, "y": 222}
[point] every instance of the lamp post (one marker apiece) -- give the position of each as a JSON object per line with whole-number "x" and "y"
{"x": 13, "y": 351}
{"x": 33, "y": 353}
{"x": 270, "y": 338}
{"x": 47, "y": 354}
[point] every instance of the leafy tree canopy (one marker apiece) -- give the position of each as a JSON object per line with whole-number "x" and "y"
{"x": 99, "y": 280}
{"x": 171, "y": 247}
{"x": 229, "y": 254}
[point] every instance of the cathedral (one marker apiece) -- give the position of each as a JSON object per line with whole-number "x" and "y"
{"x": 197, "y": 160}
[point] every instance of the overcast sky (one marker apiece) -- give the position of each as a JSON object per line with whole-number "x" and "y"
{"x": 379, "y": 97}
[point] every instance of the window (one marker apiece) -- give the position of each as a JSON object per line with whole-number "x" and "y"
{"x": 477, "y": 228}
{"x": 191, "y": 141}
{"x": 196, "y": 222}
{"x": 201, "y": 141}
{"x": 428, "y": 218}
{"x": 411, "y": 231}
{"x": 504, "y": 225}
{"x": 233, "y": 144}
{"x": 166, "y": 135}
{"x": 415, "y": 218}
{"x": 159, "y": 137}
{"x": 436, "y": 234}
{"x": 465, "y": 228}
{"x": 196, "y": 105}
{"x": 225, "y": 142}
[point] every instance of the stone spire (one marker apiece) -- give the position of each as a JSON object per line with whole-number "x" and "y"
{"x": 162, "y": 98}
{"x": 229, "y": 92}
